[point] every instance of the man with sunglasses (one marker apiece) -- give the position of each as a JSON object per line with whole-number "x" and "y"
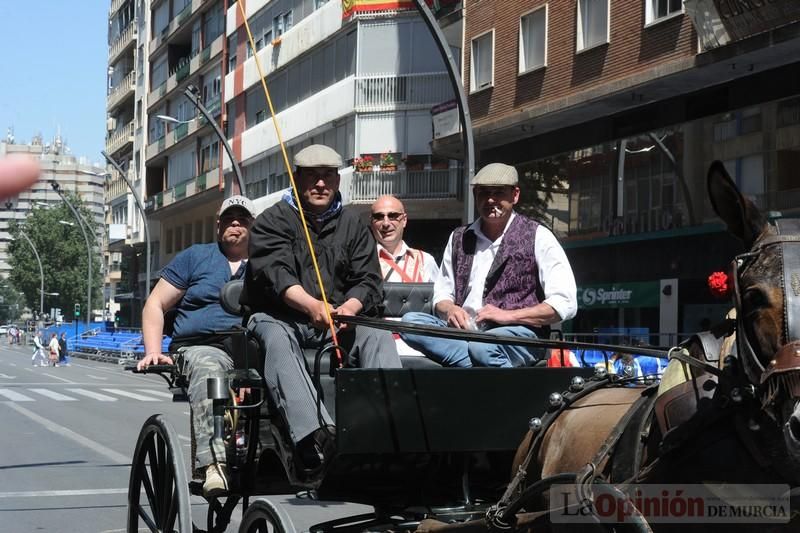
{"x": 282, "y": 290}
{"x": 399, "y": 263}
{"x": 190, "y": 284}
{"x": 504, "y": 274}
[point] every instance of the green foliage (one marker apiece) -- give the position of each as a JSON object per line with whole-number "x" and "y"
{"x": 62, "y": 250}
{"x": 11, "y": 303}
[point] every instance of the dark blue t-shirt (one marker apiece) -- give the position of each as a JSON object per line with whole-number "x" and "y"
{"x": 201, "y": 270}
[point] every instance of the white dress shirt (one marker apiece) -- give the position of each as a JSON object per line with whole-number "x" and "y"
{"x": 555, "y": 273}
{"x": 429, "y": 268}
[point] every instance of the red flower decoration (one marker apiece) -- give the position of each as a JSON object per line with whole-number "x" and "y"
{"x": 718, "y": 284}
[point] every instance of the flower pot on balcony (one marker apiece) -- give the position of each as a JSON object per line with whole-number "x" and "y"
{"x": 389, "y": 168}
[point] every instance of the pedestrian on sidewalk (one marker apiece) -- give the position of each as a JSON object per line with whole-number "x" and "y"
{"x": 55, "y": 348}
{"x": 38, "y": 350}
{"x": 63, "y": 358}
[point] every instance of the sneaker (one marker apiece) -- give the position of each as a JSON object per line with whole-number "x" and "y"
{"x": 216, "y": 483}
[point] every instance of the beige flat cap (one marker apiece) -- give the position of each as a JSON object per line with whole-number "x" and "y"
{"x": 496, "y": 175}
{"x": 317, "y": 155}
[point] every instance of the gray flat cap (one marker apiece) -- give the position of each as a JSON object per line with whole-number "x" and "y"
{"x": 496, "y": 175}
{"x": 317, "y": 155}
{"x": 237, "y": 201}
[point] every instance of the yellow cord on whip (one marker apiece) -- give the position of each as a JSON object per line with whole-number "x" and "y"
{"x": 294, "y": 185}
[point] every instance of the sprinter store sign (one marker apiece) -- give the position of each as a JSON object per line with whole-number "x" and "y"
{"x": 636, "y": 294}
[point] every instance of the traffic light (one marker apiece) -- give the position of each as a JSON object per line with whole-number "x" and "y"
{"x": 77, "y": 310}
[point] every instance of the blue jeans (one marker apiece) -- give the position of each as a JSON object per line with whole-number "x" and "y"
{"x": 465, "y": 354}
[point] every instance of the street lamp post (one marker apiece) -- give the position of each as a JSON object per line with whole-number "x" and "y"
{"x": 140, "y": 206}
{"x": 41, "y": 272}
{"x": 56, "y": 187}
{"x": 192, "y": 93}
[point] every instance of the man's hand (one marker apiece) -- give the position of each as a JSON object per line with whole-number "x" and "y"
{"x": 490, "y": 313}
{"x": 317, "y": 315}
{"x": 350, "y": 308}
{"x": 155, "y": 358}
{"x": 457, "y": 317}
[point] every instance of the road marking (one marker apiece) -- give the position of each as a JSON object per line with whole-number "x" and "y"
{"x": 94, "y": 395}
{"x": 132, "y": 395}
{"x": 15, "y": 396}
{"x": 68, "y": 433}
{"x": 62, "y": 379}
{"x": 60, "y": 493}
{"x": 157, "y": 393}
{"x": 96, "y": 377}
{"x": 54, "y": 395}
{"x": 6, "y": 376}
{"x": 184, "y": 437}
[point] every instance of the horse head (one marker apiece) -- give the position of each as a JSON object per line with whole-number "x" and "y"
{"x": 767, "y": 296}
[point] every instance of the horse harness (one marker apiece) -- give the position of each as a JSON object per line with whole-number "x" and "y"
{"x": 704, "y": 398}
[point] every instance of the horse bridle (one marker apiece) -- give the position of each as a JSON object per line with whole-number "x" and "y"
{"x": 782, "y": 372}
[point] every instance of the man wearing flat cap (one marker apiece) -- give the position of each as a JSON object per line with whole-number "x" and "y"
{"x": 504, "y": 274}
{"x": 281, "y": 289}
{"x": 190, "y": 284}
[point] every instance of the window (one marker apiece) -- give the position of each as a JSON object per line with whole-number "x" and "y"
{"x": 281, "y": 24}
{"x": 481, "y": 71}
{"x": 533, "y": 40}
{"x": 658, "y": 9}
{"x": 592, "y": 23}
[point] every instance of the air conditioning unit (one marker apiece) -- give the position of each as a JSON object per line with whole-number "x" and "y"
{"x": 111, "y": 124}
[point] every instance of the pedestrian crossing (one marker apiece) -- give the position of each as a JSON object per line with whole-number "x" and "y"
{"x": 74, "y": 394}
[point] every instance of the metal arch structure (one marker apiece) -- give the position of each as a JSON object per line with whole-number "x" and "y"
{"x": 56, "y": 187}
{"x": 463, "y": 106}
{"x": 41, "y": 272}
{"x": 191, "y": 93}
{"x": 142, "y": 213}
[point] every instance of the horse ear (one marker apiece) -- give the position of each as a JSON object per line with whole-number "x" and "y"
{"x": 743, "y": 218}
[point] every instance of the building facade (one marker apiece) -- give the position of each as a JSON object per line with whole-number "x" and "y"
{"x": 612, "y": 111}
{"x": 72, "y": 174}
{"x": 361, "y": 81}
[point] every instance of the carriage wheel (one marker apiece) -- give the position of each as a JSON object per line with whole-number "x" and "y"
{"x": 261, "y": 517}
{"x": 158, "y": 477}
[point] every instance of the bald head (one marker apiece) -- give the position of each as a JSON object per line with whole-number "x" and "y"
{"x": 388, "y": 221}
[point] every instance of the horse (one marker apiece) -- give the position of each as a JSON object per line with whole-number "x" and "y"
{"x": 727, "y": 417}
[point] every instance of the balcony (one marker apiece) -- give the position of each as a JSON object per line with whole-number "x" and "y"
{"x": 178, "y": 132}
{"x": 120, "y": 138}
{"x": 122, "y": 91}
{"x": 185, "y": 70}
{"x": 183, "y": 190}
{"x": 389, "y": 92}
{"x": 184, "y": 16}
{"x": 429, "y": 184}
{"x": 122, "y": 43}
{"x": 115, "y": 5}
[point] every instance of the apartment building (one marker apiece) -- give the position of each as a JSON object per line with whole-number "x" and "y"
{"x": 75, "y": 175}
{"x": 612, "y": 111}
{"x": 362, "y": 81}
{"x": 127, "y": 20}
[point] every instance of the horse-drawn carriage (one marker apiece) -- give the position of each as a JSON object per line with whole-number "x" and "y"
{"x": 432, "y": 449}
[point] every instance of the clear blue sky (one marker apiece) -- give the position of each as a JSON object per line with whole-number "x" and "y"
{"x": 53, "y": 59}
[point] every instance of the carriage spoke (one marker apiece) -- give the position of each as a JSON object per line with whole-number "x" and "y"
{"x": 147, "y": 520}
{"x": 147, "y": 480}
{"x": 172, "y": 511}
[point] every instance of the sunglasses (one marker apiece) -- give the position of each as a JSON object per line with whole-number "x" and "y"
{"x": 394, "y": 216}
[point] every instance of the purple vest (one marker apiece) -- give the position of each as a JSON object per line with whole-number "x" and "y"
{"x": 513, "y": 279}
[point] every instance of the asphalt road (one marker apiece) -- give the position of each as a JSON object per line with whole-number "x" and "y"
{"x": 67, "y": 436}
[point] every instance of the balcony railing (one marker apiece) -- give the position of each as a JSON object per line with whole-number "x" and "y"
{"x": 122, "y": 90}
{"x": 183, "y": 190}
{"x": 366, "y": 187}
{"x": 385, "y": 92}
{"x": 120, "y": 138}
{"x": 115, "y": 5}
{"x": 122, "y": 42}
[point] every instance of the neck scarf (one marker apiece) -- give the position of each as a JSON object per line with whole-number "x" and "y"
{"x": 333, "y": 209}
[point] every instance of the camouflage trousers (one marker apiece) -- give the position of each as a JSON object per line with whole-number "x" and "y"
{"x": 199, "y": 363}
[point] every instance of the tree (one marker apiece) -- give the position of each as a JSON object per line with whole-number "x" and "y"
{"x": 10, "y": 302}
{"x": 62, "y": 250}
